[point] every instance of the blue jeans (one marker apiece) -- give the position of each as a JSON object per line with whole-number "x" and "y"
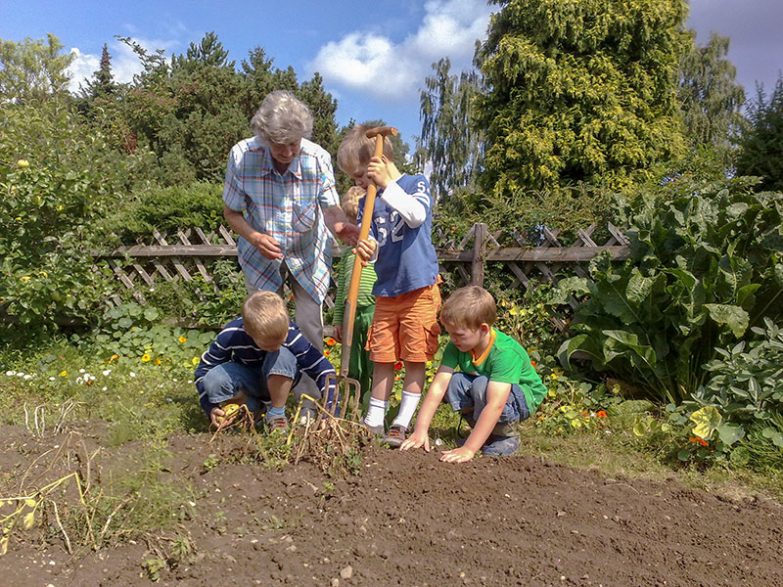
{"x": 224, "y": 381}
{"x": 465, "y": 391}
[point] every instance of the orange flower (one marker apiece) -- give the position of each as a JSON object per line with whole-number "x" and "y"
{"x": 699, "y": 441}
{"x": 398, "y": 365}
{"x": 602, "y": 414}
{"x": 330, "y": 341}
{"x": 327, "y": 352}
{"x": 532, "y": 362}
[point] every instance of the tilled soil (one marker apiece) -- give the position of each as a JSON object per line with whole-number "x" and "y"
{"x": 407, "y": 519}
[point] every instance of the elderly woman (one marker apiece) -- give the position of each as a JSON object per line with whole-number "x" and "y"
{"x": 280, "y": 197}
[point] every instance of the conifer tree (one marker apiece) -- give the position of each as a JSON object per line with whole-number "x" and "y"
{"x": 580, "y": 91}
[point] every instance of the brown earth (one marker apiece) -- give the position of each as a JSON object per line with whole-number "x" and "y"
{"x": 408, "y": 519}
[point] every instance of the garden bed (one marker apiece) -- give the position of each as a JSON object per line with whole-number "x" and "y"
{"x": 403, "y": 518}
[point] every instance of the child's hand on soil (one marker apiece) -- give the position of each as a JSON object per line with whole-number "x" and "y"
{"x": 416, "y": 440}
{"x": 457, "y": 455}
{"x": 365, "y": 250}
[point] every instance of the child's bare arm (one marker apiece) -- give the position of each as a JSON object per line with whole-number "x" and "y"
{"x": 497, "y": 395}
{"x": 434, "y": 396}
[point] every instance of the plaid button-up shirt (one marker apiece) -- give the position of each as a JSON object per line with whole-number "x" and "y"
{"x": 288, "y": 207}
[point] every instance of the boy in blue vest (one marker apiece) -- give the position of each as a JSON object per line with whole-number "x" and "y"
{"x": 485, "y": 375}
{"x": 407, "y": 297}
{"x": 256, "y": 359}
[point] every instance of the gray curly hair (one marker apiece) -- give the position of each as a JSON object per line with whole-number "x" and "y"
{"x": 282, "y": 119}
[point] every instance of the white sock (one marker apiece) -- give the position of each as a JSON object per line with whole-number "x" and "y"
{"x": 376, "y": 412}
{"x": 407, "y": 408}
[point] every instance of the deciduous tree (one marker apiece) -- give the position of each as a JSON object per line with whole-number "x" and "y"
{"x": 450, "y": 142}
{"x": 711, "y": 99}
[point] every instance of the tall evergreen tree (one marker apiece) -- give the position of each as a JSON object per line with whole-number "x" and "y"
{"x": 449, "y": 140}
{"x": 323, "y": 106}
{"x": 761, "y": 146}
{"x": 101, "y": 84}
{"x": 580, "y": 91}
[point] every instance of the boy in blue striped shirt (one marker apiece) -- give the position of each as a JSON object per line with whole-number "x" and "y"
{"x": 257, "y": 358}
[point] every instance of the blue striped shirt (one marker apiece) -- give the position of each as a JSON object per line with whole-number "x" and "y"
{"x": 235, "y": 345}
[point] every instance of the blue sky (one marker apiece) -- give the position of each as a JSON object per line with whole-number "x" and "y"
{"x": 373, "y": 55}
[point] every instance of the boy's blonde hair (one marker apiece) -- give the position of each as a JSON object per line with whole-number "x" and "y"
{"x": 469, "y": 307}
{"x": 265, "y": 316}
{"x": 350, "y": 202}
{"x": 356, "y": 150}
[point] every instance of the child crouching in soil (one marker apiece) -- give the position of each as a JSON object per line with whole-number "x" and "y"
{"x": 256, "y": 359}
{"x": 484, "y": 374}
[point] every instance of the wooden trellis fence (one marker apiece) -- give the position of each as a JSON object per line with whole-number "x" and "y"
{"x": 188, "y": 254}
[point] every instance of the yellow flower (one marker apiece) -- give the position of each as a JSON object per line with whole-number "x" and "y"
{"x": 145, "y": 358}
{"x": 182, "y": 340}
{"x": 24, "y": 278}
{"x": 23, "y": 163}
{"x": 157, "y": 362}
{"x": 63, "y": 373}
{"x": 194, "y": 360}
{"x": 554, "y": 377}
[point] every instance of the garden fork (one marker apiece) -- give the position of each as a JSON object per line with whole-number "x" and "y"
{"x": 350, "y": 387}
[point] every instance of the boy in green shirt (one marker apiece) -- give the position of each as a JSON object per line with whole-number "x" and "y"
{"x": 484, "y": 374}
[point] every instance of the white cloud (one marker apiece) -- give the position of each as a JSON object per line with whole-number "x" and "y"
{"x": 124, "y": 62}
{"x": 81, "y": 68}
{"x": 373, "y": 63}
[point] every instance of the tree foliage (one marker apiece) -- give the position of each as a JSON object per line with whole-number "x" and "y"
{"x": 449, "y": 142}
{"x": 762, "y": 145}
{"x": 580, "y": 91}
{"x": 32, "y": 70}
{"x": 711, "y": 99}
{"x": 192, "y": 110}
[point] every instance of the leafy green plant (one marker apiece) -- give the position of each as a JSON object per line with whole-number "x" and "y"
{"x": 134, "y": 331}
{"x": 574, "y": 406}
{"x": 745, "y": 394}
{"x": 706, "y": 262}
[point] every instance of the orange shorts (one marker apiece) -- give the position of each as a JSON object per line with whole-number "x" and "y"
{"x": 405, "y": 327}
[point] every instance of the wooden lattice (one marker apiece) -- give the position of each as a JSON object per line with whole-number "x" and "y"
{"x": 188, "y": 254}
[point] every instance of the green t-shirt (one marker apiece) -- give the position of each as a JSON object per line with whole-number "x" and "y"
{"x": 505, "y": 362}
{"x": 344, "y": 272}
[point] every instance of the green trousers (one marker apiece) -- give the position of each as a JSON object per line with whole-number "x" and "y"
{"x": 360, "y": 367}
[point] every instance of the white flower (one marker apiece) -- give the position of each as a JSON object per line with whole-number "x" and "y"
{"x": 10, "y": 373}
{"x": 104, "y": 388}
{"x": 106, "y": 372}
{"x": 79, "y": 380}
{"x": 27, "y": 377}
{"x": 19, "y": 374}
{"x": 132, "y": 374}
{"x": 81, "y": 370}
{"x": 51, "y": 378}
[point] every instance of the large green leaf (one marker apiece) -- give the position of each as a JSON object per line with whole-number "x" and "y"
{"x": 583, "y": 343}
{"x": 734, "y": 317}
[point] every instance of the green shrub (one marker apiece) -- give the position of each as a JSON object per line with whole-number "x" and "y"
{"x": 195, "y": 205}
{"x": 706, "y": 262}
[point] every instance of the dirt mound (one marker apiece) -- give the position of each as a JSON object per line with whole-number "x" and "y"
{"x": 408, "y": 519}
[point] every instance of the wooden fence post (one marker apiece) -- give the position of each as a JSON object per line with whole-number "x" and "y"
{"x": 479, "y": 249}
